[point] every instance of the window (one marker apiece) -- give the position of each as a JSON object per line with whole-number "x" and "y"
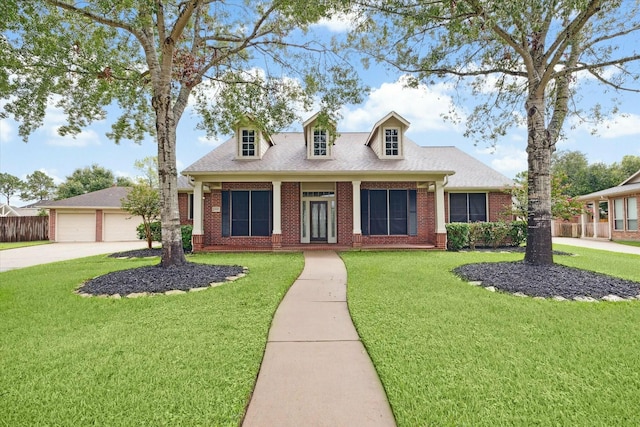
{"x": 391, "y": 145}
{"x": 618, "y": 214}
{"x": 467, "y": 207}
{"x": 248, "y": 148}
{"x": 190, "y": 206}
{"x": 632, "y": 214}
{"x": 246, "y": 213}
{"x": 319, "y": 142}
{"x": 388, "y": 212}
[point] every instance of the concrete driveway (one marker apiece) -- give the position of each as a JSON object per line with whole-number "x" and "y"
{"x": 43, "y": 254}
{"x": 602, "y": 244}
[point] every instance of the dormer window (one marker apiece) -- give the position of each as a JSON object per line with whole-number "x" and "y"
{"x": 248, "y": 148}
{"x": 319, "y": 142}
{"x": 391, "y": 144}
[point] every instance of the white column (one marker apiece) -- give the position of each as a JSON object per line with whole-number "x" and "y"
{"x": 440, "y": 217}
{"x": 357, "y": 225}
{"x": 198, "y": 224}
{"x": 277, "y": 207}
{"x": 583, "y": 223}
{"x": 610, "y": 218}
{"x": 596, "y": 217}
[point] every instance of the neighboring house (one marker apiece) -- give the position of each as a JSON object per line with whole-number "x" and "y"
{"x": 7, "y": 211}
{"x": 367, "y": 189}
{"x": 92, "y": 217}
{"x": 623, "y": 210}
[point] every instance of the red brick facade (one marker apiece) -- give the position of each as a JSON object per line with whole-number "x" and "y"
{"x": 99, "y": 219}
{"x": 291, "y": 217}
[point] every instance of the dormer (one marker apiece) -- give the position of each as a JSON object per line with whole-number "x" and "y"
{"x": 387, "y": 136}
{"x": 251, "y": 142}
{"x": 317, "y": 138}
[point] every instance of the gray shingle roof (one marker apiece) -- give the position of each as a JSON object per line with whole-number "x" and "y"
{"x": 106, "y": 198}
{"x": 612, "y": 192}
{"x": 351, "y": 155}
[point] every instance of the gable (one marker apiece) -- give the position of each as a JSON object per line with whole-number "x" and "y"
{"x": 251, "y": 142}
{"x": 633, "y": 179}
{"x": 387, "y": 137}
{"x": 318, "y": 138}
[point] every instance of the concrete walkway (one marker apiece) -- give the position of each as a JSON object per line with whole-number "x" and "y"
{"x": 602, "y": 244}
{"x": 315, "y": 370}
{"x": 43, "y": 254}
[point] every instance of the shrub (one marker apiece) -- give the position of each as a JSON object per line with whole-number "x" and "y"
{"x": 488, "y": 234}
{"x": 457, "y": 235}
{"x": 186, "y": 237}
{"x": 156, "y": 233}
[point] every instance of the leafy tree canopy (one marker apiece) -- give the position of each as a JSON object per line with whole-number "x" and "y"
{"x": 10, "y": 185}
{"x": 38, "y": 186}
{"x": 526, "y": 63}
{"x": 86, "y": 180}
{"x": 153, "y": 59}
{"x": 143, "y": 200}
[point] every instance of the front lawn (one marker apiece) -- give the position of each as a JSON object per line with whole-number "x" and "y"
{"x": 14, "y": 245}
{"x": 164, "y": 360}
{"x": 629, "y": 242}
{"x": 452, "y": 354}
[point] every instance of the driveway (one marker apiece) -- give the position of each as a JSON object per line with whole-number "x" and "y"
{"x": 602, "y": 244}
{"x": 43, "y": 254}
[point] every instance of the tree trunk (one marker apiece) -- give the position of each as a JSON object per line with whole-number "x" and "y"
{"x": 172, "y": 252}
{"x": 539, "y": 250}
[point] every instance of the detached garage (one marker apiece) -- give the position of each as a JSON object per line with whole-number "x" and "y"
{"x": 92, "y": 217}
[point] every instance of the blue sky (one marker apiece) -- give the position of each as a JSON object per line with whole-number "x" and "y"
{"x": 422, "y": 107}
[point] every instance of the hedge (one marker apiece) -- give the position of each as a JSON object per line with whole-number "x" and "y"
{"x": 485, "y": 234}
{"x": 156, "y": 234}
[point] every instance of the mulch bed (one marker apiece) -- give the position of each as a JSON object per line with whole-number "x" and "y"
{"x": 547, "y": 281}
{"x": 155, "y": 279}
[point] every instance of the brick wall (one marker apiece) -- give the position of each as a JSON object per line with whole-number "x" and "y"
{"x": 52, "y": 224}
{"x": 499, "y": 203}
{"x": 290, "y": 207}
{"x": 344, "y": 211}
{"x": 99, "y": 220}
{"x": 183, "y": 208}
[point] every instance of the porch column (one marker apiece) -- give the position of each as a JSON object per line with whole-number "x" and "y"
{"x": 609, "y": 219}
{"x": 276, "y": 234}
{"x": 357, "y": 224}
{"x": 583, "y": 223}
{"x": 197, "y": 235}
{"x": 441, "y": 230}
{"x": 596, "y": 218}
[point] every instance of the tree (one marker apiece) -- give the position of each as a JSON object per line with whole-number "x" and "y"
{"x": 563, "y": 206}
{"x": 628, "y": 166}
{"x": 531, "y": 56}
{"x": 574, "y": 167}
{"x": 149, "y": 169}
{"x": 143, "y": 200}
{"x": 10, "y": 185}
{"x": 38, "y": 186}
{"x": 85, "y": 180}
{"x": 152, "y": 57}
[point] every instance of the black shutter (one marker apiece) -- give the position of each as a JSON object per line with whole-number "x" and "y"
{"x": 364, "y": 212}
{"x": 226, "y": 220}
{"x": 413, "y": 213}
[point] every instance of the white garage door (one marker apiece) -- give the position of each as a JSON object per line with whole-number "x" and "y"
{"x": 120, "y": 227}
{"x": 76, "y": 227}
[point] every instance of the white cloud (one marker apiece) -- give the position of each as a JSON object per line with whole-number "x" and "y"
{"x": 54, "y": 120}
{"x": 422, "y": 106}
{"x": 213, "y": 142}
{"x": 626, "y": 125}
{"x": 508, "y": 160}
{"x": 339, "y": 22}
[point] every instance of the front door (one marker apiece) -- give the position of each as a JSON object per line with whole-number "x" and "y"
{"x": 318, "y": 221}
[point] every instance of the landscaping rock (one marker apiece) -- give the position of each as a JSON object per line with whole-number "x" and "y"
{"x": 475, "y": 283}
{"x": 490, "y": 288}
{"x": 584, "y": 299}
{"x": 547, "y": 281}
{"x": 612, "y": 298}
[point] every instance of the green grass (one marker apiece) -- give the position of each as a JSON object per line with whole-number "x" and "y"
{"x": 189, "y": 359}
{"x": 450, "y": 354}
{"x": 14, "y": 245}
{"x": 629, "y": 242}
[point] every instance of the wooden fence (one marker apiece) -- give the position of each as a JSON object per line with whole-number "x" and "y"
{"x": 24, "y": 228}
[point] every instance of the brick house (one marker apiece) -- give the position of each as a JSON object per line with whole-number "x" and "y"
{"x": 623, "y": 211}
{"x": 367, "y": 189}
